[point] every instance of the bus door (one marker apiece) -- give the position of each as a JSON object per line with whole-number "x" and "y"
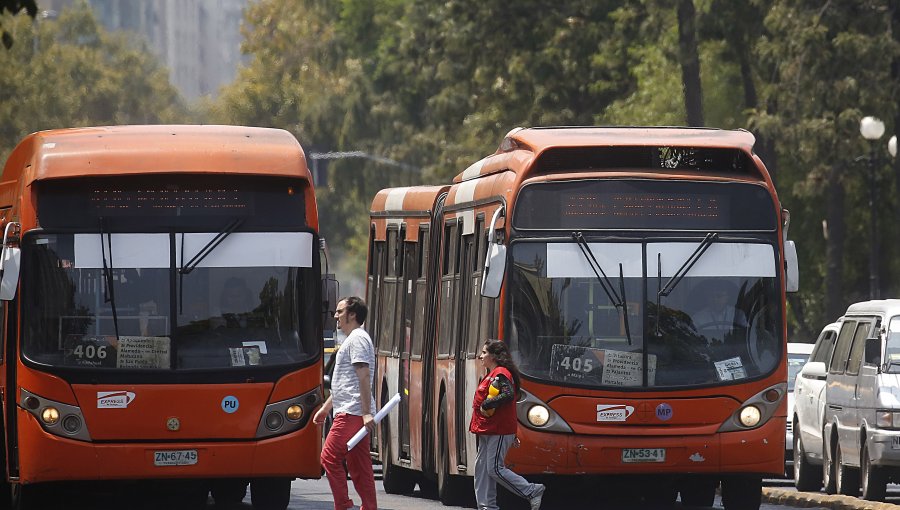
{"x": 408, "y": 290}
{"x": 463, "y": 282}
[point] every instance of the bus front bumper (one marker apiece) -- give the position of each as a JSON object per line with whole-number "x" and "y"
{"x": 46, "y": 458}
{"x": 759, "y": 451}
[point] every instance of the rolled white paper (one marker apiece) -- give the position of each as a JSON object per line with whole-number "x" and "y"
{"x": 361, "y": 433}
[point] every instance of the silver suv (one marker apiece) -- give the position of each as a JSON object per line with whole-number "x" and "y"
{"x": 861, "y": 425}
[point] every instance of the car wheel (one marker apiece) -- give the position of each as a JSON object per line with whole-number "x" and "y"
{"x": 806, "y": 476}
{"x": 874, "y": 481}
{"x": 846, "y": 478}
{"x": 827, "y": 468}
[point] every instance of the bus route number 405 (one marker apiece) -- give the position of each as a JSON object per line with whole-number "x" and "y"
{"x": 175, "y": 458}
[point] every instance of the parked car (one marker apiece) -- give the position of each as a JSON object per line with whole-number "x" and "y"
{"x": 808, "y": 410}
{"x": 798, "y": 355}
{"x": 862, "y": 413}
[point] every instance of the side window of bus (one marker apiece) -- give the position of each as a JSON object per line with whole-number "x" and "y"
{"x": 446, "y": 297}
{"x": 842, "y": 349}
{"x": 422, "y": 257}
{"x": 377, "y": 292}
{"x": 858, "y": 348}
{"x": 389, "y": 307}
{"x": 476, "y": 331}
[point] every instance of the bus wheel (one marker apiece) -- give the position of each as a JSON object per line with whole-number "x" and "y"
{"x": 698, "y": 492}
{"x": 228, "y": 492}
{"x": 450, "y": 491}
{"x": 27, "y": 497}
{"x": 396, "y": 479}
{"x": 846, "y": 478}
{"x": 270, "y": 493}
{"x": 874, "y": 481}
{"x": 806, "y": 476}
{"x": 742, "y": 493}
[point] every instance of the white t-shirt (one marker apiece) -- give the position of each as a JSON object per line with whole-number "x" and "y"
{"x": 345, "y": 394}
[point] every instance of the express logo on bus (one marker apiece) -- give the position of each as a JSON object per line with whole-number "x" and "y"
{"x": 114, "y": 399}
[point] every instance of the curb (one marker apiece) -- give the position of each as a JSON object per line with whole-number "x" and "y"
{"x": 813, "y": 499}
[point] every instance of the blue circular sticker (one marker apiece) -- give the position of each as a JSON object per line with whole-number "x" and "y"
{"x": 230, "y": 404}
{"x": 664, "y": 411}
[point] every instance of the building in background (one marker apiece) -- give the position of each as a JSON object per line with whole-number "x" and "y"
{"x": 198, "y": 40}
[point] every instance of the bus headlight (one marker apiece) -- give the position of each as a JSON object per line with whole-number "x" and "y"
{"x": 538, "y": 415}
{"x": 50, "y": 415}
{"x": 294, "y": 412}
{"x": 71, "y": 424}
{"x": 274, "y": 420}
{"x": 750, "y": 416}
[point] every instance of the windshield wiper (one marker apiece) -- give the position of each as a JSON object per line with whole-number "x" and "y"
{"x": 682, "y": 271}
{"x": 605, "y": 284}
{"x": 109, "y": 294}
{"x": 210, "y": 246}
{"x": 206, "y": 250}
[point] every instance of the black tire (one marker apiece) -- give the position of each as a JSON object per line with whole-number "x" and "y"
{"x": 28, "y": 497}
{"x": 396, "y": 479}
{"x": 742, "y": 493}
{"x": 873, "y": 479}
{"x": 828, "y": 471}
{"x": 846, "y": 480}
{"x": 228, "y": 493}
{"x": 698, "y": 492}
{"x": 270, "y": 493}
{"x": 806, "y": 476}
{"x": 450, "y": 488}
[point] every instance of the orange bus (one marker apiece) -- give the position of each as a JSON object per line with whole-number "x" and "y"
{"x": 639, "y": 278}
{"x": 162, "y": 298}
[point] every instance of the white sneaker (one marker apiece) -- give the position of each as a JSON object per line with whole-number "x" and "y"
{"x": 537, "y": 496}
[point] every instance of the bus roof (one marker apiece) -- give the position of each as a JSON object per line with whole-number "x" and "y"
{"x": 522, "y": 146}
{"x": 94, "y": 151}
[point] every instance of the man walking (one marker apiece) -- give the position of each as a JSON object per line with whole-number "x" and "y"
{"x": 353, "y": 404}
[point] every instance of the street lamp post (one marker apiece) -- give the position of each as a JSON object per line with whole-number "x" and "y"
{"x": 872, "y": 129}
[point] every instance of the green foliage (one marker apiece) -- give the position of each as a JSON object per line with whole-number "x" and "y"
{"x": 13, "y": 7}
{"x": 75, "y": 74}
{"x": 436, "y": 84}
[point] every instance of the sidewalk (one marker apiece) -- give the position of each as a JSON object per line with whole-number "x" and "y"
{"x": 814, "y": 499}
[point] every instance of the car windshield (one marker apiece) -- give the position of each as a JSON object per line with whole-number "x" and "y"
{"x": 720, "y": 322}
{"x": 120, "y": 302}
{"x": 795, "y": 363}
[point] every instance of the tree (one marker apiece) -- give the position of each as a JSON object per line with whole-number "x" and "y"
{"x": 75, "y": 74}
{"x": 13, "y": 7}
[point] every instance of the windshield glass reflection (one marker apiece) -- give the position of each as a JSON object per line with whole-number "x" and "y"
{"x": 718, "y": 324}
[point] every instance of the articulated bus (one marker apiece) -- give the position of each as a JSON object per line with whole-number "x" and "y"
{"x": 638, "y": 276}
{"x": 163, "y": 313}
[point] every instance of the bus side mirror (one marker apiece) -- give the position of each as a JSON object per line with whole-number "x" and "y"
{"x": 10, "y": 258}
{"x": 10, "y": 268}
{"x": 792, "y": 268}
{"x": 330, "y": 289}
{"x": 495, "y": 263}
{"x": 872, "y": 355}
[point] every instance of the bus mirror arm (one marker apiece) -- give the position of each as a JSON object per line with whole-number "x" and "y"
{"x": 10, "y": 259}
{"x": 495, "y": 263}
{"x": 330, "y": 290}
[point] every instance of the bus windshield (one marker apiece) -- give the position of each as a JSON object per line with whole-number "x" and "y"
{"x": 119, "y": 301}
{"x": 718, "y": 324}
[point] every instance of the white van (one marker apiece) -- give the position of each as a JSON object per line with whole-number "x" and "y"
{"x": 861, "y": 426}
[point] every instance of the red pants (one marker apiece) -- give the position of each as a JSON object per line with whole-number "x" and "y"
{"x": 359, "y": 463}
